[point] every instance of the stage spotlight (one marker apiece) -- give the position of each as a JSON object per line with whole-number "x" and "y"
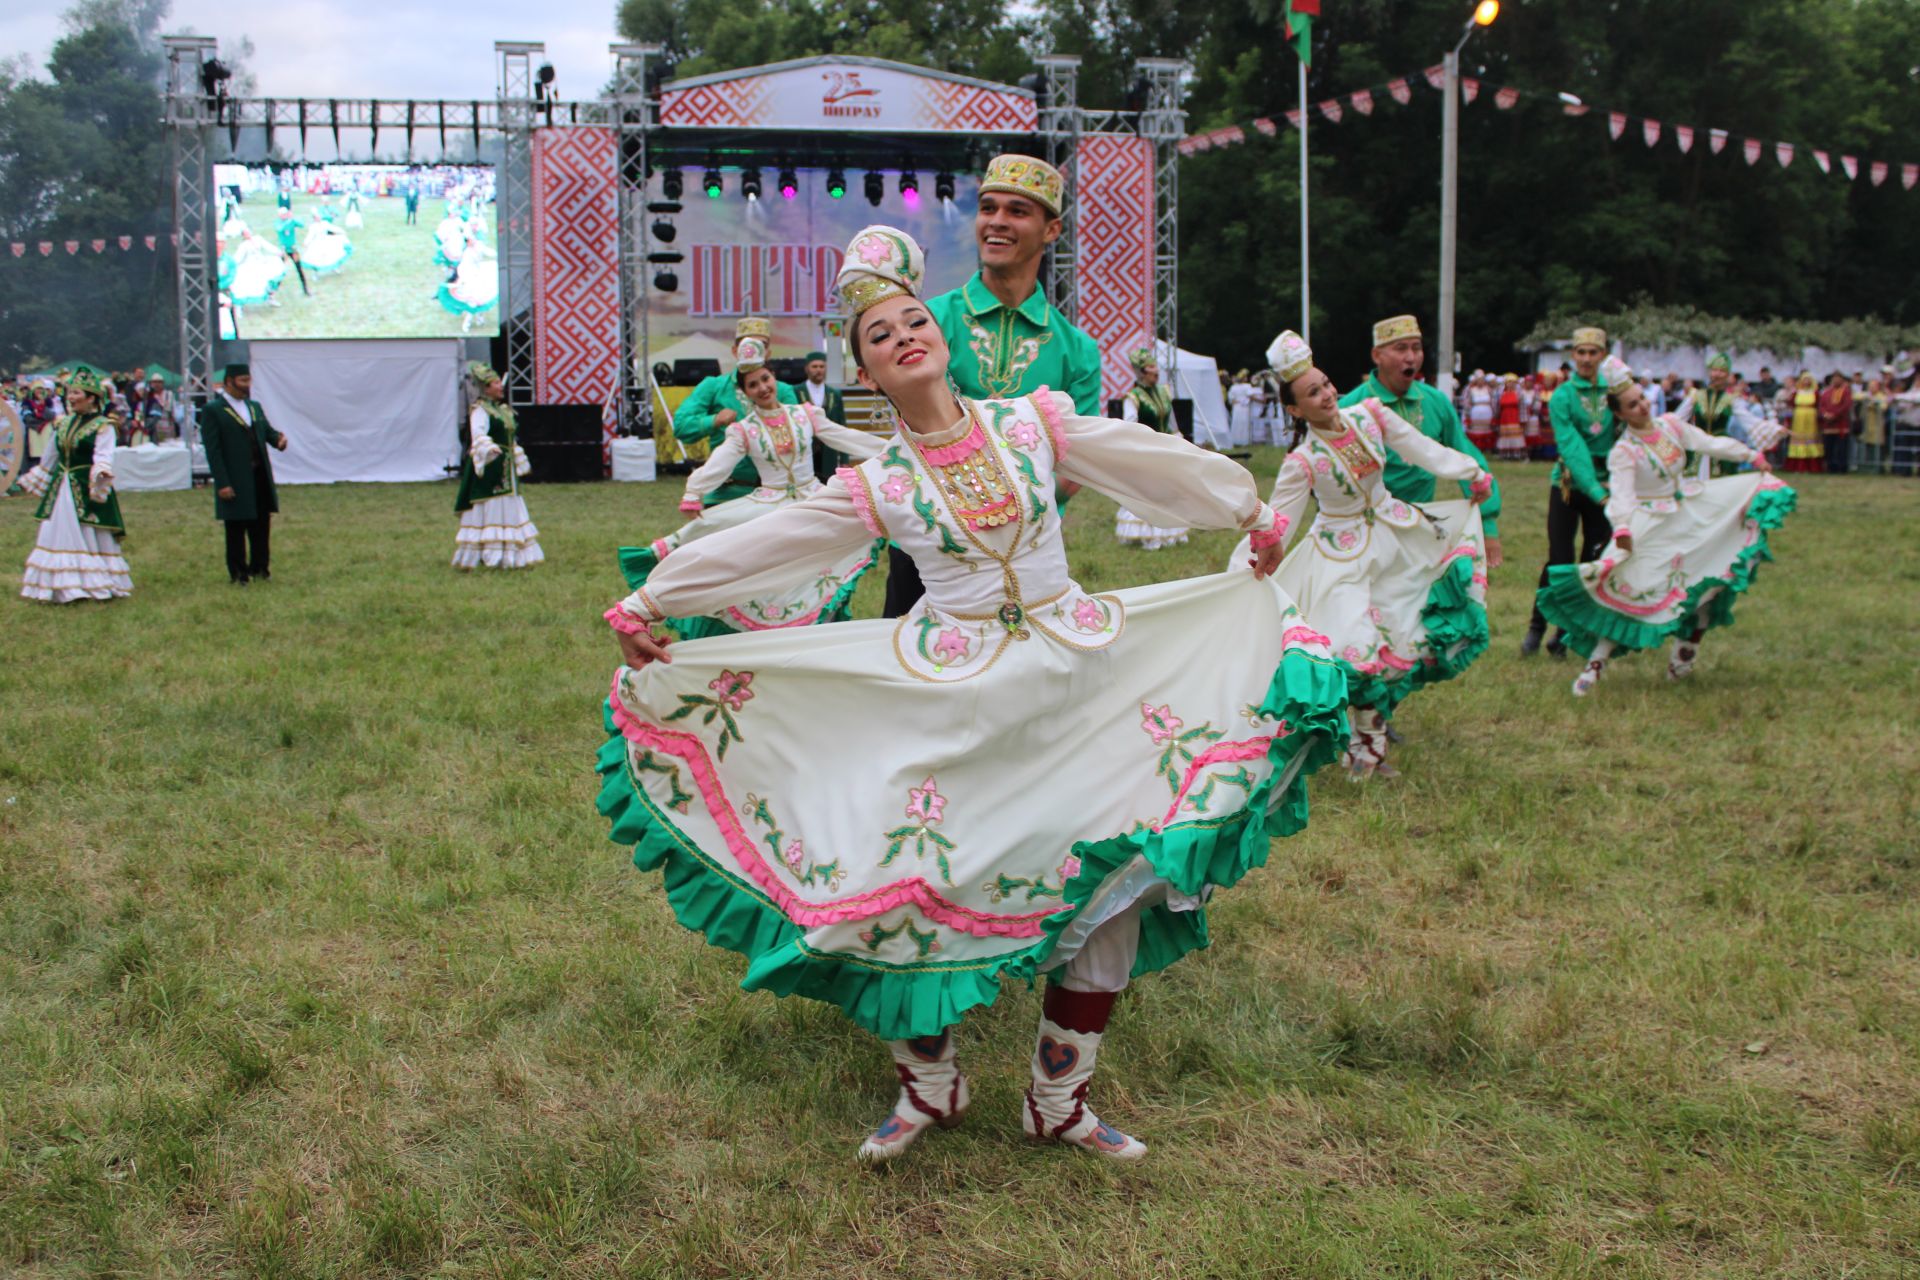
{"x": 664, "y": 231}
{"x": 789, "y": 184}
{"x": 943, "y": 186}
{"x": 909, "y": 182}
{"x": 671, "y": 184}
{"x": 750, "y": 183}
{"x": 836, "y": 184}
{"x": 666, "y": 281}
{"x": 546, "y": 74}
{"x": 876, "y": 185}
{"x": 712, "y": 184}
{"x": 213, "y": 78}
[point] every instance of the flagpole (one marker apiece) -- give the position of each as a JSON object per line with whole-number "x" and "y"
{"x": 1306, "y": 274}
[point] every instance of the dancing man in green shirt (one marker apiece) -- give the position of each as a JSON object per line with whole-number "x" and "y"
{"x": 1583, "y": 432}
{"x": 715, "y": 403}
{"x": 1006, "y": 338}
{"x": 1398, "y": 355}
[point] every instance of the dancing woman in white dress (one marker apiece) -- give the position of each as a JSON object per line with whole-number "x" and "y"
{"x": 77, "y": 553}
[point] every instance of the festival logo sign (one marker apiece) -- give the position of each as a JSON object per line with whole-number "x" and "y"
{"x": 841, "y": 94}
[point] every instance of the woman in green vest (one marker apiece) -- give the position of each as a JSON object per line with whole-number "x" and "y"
{"x": 77, "y": 555}
{"x": 1150, "y": 402}
{"x": 495, "y": 530}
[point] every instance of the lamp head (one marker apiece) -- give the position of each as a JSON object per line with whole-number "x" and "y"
{"x": 1485, "y": 12}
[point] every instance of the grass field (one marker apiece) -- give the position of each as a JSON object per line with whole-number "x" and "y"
{"x": 315, "y": 960}
{"x": 385, "y": 290}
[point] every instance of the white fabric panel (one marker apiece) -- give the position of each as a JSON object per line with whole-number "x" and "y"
{"x": 633, "y": 459}
{"x": 1197, "y": 378}
{"x": 152, "y": 466}
{"x": 353, "y": 409}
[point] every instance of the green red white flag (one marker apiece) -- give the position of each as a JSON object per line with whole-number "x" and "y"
{"x": 1300, "y": 16}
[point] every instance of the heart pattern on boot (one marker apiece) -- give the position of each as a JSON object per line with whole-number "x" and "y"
{"x": 1057, "y": 1059}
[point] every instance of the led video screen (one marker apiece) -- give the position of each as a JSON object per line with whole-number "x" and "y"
{"x": 357, "y": 251}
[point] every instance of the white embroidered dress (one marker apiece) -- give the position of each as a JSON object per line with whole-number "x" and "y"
{"x": 779, "y": 444}
{"x": 496, "y": 532}
{"x": 1399, "y": 588}
{"x": 1694, "y": 543}
{"x": 73, "y": 561}
{"x": 889, "y": 815}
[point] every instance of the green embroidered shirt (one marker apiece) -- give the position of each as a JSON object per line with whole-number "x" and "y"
{"x": 1583, "y": 432}
{"x": 1428, "y": 411}
{"x": 1003, "y": 352}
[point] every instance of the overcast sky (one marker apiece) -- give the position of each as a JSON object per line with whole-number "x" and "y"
{"x": 369, "y": 48}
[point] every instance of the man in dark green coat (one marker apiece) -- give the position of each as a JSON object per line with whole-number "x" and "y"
{"x": 236, "y": 434}
{"x": 816, "y": 391}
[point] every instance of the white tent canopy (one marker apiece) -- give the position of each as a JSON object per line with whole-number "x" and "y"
{"x": 1197, "y": 378}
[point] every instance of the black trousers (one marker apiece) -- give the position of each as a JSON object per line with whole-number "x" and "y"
{"x": 904, "y": 587}
{"x": 243, "y": 562}
{"x": 1839, "y": 453}
{"x": 1566, "y": 518}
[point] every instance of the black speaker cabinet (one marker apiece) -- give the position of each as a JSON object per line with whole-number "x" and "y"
{"x": 562, "y": 441}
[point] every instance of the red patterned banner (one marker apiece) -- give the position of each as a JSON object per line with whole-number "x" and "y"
{"x": 1114, "y": 272}
{"x": 576, "y": 290}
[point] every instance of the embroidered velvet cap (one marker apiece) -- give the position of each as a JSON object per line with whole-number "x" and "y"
{"x": 881, "y": 263}
{"x": 1290, "y": 356}
{"x": 1721, "y": 361}
{"x": 1025, "y": 176}
{"x": 752, "y": 327}
{"x": 481, "y": 373}
{"x": 1615, "y": 376}
{"x": 1394, "y": 328}
{"x": 1589, "y": 337}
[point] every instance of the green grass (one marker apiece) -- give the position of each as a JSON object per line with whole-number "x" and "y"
{"x": 385, "y": 290}
{"x": 315, "y": 960}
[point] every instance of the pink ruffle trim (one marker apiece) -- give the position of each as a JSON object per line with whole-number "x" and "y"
{"x": 1050, "y": 414}
{"x": 1388, "y": 658}
{"x": 689, "y": 506}
{"x": 1482, "y": 485}
{"x": 1304, "y": 635}
{"x": 862, "y": 499}
{"x": 1272, "y": 536}
{"x": 965, "y": 447}
{"x": 625, "y": 623}
{"x": 913, "y": 891}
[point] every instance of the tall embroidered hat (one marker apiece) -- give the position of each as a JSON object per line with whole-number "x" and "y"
{"x": 1589, "y": 337}
{"x": 1290, "y": 356}
{"x": 1615, "y": 376}
{"x": 1025, "y": 176}
{"x": 86, "y": 380}
{"x": 752, "y": 327}
{"x": 881, "y": 263}
{"x": 481, "y": 373}
{"x": 750, "y": 353}
{"x": 1395, "y": 328}
{"x": 1141, "y": 358}
{"x": 1721, "y": 361}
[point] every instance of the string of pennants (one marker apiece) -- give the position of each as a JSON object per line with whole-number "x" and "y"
{"x": 1505, "y": 97}
{"x": 46, "y": 247}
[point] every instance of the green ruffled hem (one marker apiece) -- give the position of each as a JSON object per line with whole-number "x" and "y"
{"x": 638, "y": 563}
{"x": 1457, "y": 633}
{"x": 897, "y": 1002}
{"x": 1566, "y": 603}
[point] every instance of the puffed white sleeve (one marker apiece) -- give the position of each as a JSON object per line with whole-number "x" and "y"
{"x": 483, "y": 449}
{"x": 1157, "y": 475}
{"x": 1622, "y": 486}
{"x": 1291, "y": 489}
{"x": 34, "y": 479}
{"x": 522, "y": 465}
{"x": 713, "y": 473}
{"x": 1129, "y": 411}
{"x": 1427, "y": 454}
{"x": 736, "y": 564}
{"x": 1725, "y": 448}
{"x": 100, "y": 477}
{"x": 858, "y": 445}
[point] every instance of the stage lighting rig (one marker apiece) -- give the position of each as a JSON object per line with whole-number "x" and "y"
{"x": 836, "y": 184}
{"x": 943, "y": 186}
{"x": 789, "y": 182}
{"x": 544, "y": 90}
{"x": 909, "y": 183}
{"x": 876, "y": 187}
{"x": 666, "y": 281}
{"x": 712, "y": 183}
{"x": 750, "y": 183}
{"x": 671, "y": 183}
{"x": 664, "y": 231}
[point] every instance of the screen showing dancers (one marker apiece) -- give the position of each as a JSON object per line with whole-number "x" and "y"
{"x": 357, "y": 251}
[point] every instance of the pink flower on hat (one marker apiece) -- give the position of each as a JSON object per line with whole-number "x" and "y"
{"x": 873, "y": 250}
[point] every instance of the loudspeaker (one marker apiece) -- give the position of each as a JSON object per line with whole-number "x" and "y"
{"x": 562, "y": 441}
{"x": 688, "y": 373}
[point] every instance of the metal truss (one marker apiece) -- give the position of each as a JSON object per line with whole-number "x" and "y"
{"x": 1163, "y": 123}
{"x": 518, "y": 59}
{"x": 1061, "y": 123}
{"x": 634, "y": 111}
{"x": 190, "y": 119}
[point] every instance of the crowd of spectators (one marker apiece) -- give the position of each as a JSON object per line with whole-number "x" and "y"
{"x": 144, "y": 409}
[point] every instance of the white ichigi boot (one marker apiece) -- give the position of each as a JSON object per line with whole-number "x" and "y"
{"x": 1590, "y": 674}
{"x": 1367, "y": 745}
{"x": 1680, "y": 665}
{"x": 1056, "y": 1106}
{"x": 932, "y": 1091}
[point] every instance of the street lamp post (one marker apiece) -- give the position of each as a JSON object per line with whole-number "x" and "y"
{"x": 1483, "y": 15}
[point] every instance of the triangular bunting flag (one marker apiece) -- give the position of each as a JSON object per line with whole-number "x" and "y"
{"x": 1683, "y": 134}
{"x": 1200, "y": 142}
{"x": 1363, "y": 102}
{"x": 1575, "y": 109}
{"x": 1783, "y": 152}
{"x": 1877, "y": 171}
{"x": 1469, "y": 89}
{"x": 1820, "y": 158}
{"x": 1185, "y": 146}
{"x": 1909, "y": 174}
{"x": 1266, "y": 126}
{"x": 99, "y": 246}
{"x": 1402, "y": 91}
{"x": 1506, "y": 97}
{"x": 126, "y": 242}
{"x": 46, "y": 247}
{"x": 1750, "y": 147}
{"x": 1650, "y": 130}
{"x": 1331, "y": 109}
{"x": 1228, "y": 136}
{"x": 1437, "y": 77}
{"x": 149, "y": 240}
{"x": 1293, "y": 117}
{"x": 19, "y": 249}
{"x": 73, "y": 247}
{"x": 1851, "y": 165}
{"x": 1616, "y": 124}
{"x": 174, "y": 239}
{"x": 1716, "y": 140}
